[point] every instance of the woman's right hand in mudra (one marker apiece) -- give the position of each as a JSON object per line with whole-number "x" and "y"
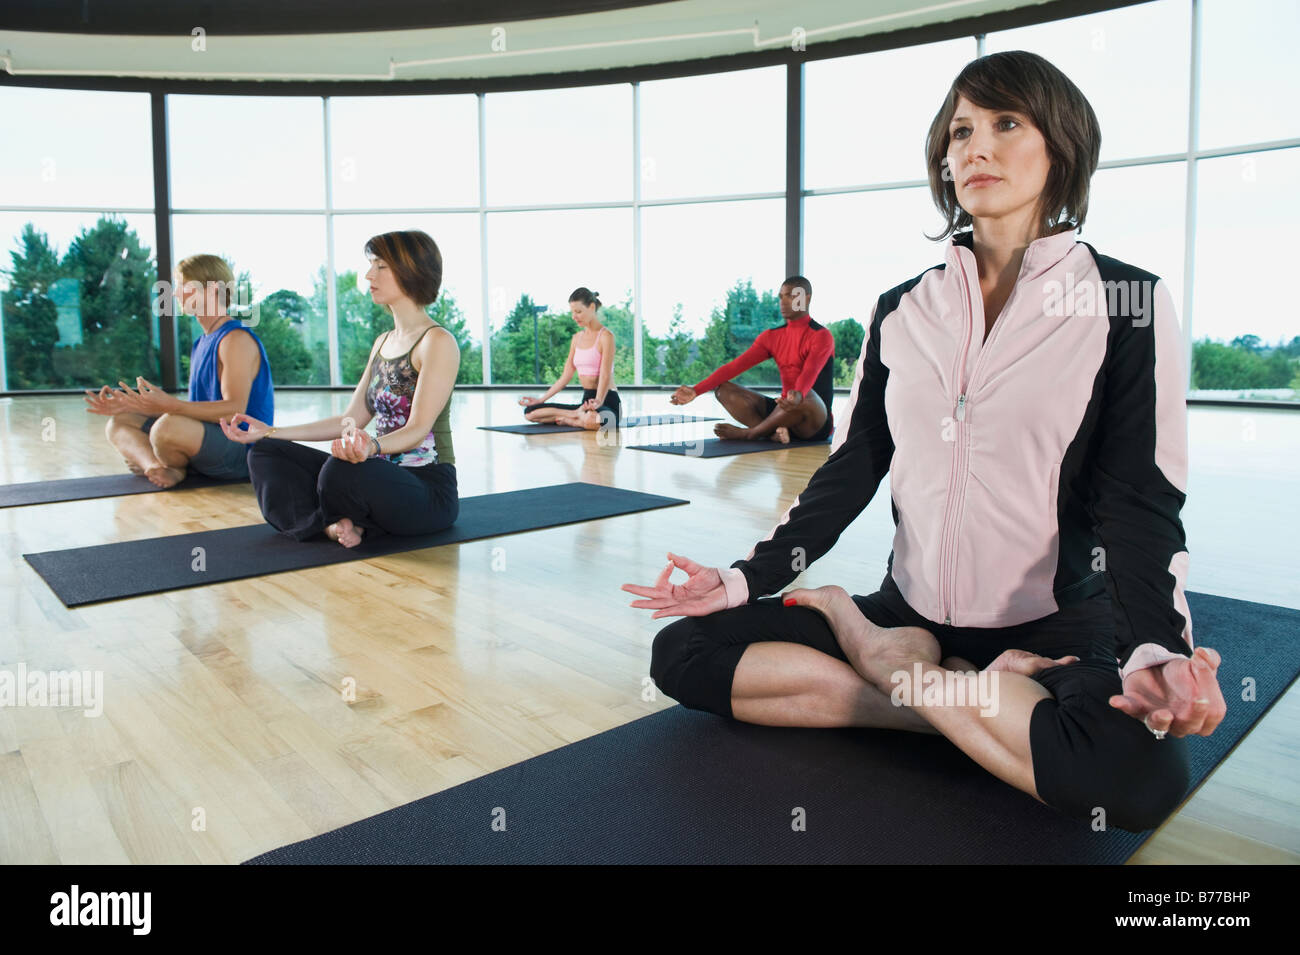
{"x": 526, "y": 401}
{"x": 256, "y": 429}
{"x": 701, "y": 594}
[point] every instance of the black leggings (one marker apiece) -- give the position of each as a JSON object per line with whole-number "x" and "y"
{"x": 302, "y": 490}
{"x": 1086, "y": 754}
{"x": 611, "y": 405}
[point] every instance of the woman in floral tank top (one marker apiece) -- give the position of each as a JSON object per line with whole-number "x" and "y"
{"x": 402, "y": 478}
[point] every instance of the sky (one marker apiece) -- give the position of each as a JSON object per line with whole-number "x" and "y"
{"x": 398, "y": 158}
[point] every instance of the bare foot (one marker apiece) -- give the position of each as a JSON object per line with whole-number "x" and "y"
{"x": 875, "y": 652}
{"x": 729, "y": 432}
{"x": 345, "y": 532}
{"x": 163, "y": 476}
{"x": 133, "y": 467}
{"x": 781, "y": 435}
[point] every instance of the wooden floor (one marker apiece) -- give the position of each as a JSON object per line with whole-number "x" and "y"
{"x": 225, "y": 732}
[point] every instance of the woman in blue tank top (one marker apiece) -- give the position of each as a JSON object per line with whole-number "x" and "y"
{"x": 401, "y": 479}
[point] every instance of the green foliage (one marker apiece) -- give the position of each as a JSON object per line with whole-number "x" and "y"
{"x": 848, "y": 335}
{"x": 1244, "y": 364}
{"x": 281, "y": 321}
{"x": 83, "y": 320}
{"x": 30, "y": 316}
{"x": 745, "y": 315}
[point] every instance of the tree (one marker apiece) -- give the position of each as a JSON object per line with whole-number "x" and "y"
{"x": 848, "y": 335}
{"x": 1239, "y": 366}
{"x": 447, "y": 313}
{"x": 115, "y": 275}
{"x": 673, "y": 354}
{"x": 83, "y": 320}
{"x": 30, "y": 316}
{"x": 281, "y": 318}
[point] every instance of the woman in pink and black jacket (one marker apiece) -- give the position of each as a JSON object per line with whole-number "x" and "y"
{"x": 1027, "y": 399}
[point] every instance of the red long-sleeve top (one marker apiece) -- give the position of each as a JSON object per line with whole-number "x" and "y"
{"x": 801, "y": 349}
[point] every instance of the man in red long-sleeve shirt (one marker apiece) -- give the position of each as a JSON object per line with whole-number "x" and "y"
{"x": 804, "y": 352}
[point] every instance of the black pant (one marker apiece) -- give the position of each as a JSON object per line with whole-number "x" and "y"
{"x": 612, "y": 405}
{"x": 302, "y": 490}
{"x": 823, "y": 433}
{"x": 1086, "y": 754}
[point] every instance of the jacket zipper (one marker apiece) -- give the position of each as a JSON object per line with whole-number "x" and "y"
{"x": 946, "y": 542}
{"x": 948, "y": 545}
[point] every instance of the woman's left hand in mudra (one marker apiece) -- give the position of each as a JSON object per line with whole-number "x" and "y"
{"x": 1181, "y": 697}
{"x": 355, "y": 446}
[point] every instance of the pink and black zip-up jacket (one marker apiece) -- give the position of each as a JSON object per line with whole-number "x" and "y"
{"x": 1029, "y": 471}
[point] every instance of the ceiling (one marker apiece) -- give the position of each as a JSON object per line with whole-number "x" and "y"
{"x": 610, "y": 34}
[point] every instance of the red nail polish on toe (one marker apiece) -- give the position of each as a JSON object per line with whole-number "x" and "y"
{"x": 789, "y": 602}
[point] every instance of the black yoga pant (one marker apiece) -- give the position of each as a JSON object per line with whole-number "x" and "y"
{"x": 302, "y": 490}
{"x": 612, "y": 405}
{"x": 1086, "y": 754}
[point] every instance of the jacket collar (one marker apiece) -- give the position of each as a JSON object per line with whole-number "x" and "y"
{"x": 1040, "y": 256}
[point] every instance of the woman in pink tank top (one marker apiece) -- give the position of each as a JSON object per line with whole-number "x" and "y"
{"x": 591, "y": 356}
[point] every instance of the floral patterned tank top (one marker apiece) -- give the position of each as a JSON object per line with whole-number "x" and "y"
{"x": 388, "y": 398}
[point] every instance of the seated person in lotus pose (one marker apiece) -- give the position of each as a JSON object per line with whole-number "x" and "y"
{"x": 805, "y": 357}
{"x": 1038, "y": 464}
{"x": 161, "y": 435}
{"x": 402, "y": 480}
{"x": 591, "y": 355}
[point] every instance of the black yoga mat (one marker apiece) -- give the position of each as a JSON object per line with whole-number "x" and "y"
{"x": 634, "y": 421}
{"x": 722, "y": 447}
{"x": 83, "y": 575}
{"x": 681, "y": 786}
{"x": 86, "y": 488}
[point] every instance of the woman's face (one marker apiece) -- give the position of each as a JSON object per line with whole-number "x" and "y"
{"x": 583, "y": 314}
{"x": 997, "y": 161}
{"x": 384, "y": 289}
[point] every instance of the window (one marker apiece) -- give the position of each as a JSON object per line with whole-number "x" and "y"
{"x": 1249, "y": 81}
{"x": 722, "y": 134}
{"x": 75, "y": 285}
{"x": 535, "y": 260}
{"x": 552, "y": 146}
{"x": 404, "y": 152}
{"x": 1135, "y": 214}
{"x": 1132, "y": 65}
{"x": 857, "y": 246}
{"x": 246, "y": 152}
{"x": 1247, "y": 337}
{"x": 75, "y": 299}
{"x": 283, "y": 259}
{"x": 711, "y": 273}
{"x": 866, "y": 117}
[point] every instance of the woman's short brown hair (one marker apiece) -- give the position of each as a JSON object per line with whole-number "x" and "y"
{"x": 1028, "y": 84}
{"x": 415, "y": 261}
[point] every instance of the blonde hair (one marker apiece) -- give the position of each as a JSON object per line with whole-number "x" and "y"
{"x": 205, "y": 268}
